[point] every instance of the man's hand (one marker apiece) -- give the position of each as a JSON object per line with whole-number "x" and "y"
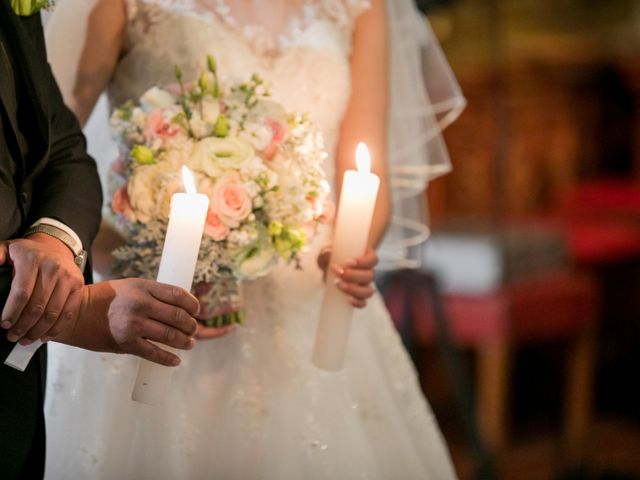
{"x": 125, "y": 316}
{"x": 45, "y": 291}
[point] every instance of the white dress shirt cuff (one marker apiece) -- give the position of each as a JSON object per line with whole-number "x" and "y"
{"x": 77, "y": 247}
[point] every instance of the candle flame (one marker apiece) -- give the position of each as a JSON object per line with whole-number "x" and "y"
{"x": 189, "y": 182}
{"x": 363, "y": 159}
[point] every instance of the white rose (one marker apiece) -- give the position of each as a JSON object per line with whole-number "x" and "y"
{"x": 214, "y": 156}
{"x": 155, "y": 98}
{"x": 256, "y": 261}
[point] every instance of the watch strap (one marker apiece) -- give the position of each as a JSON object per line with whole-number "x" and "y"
{"x": 80, "y": 256}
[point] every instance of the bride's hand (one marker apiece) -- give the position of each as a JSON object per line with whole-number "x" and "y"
{"x": 209, "y": 333}
{"x": 355, "y": 277}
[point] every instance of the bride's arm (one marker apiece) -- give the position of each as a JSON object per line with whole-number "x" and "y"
{"x": 84, "y": 42}
{"x": 366, "y": 116}
{"x": 365, "y": 120}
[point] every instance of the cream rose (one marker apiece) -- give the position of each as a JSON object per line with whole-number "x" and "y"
{"x": 214, "y": 156}
{"x": 230, "y": 200}
{"x": 150, "y": 188}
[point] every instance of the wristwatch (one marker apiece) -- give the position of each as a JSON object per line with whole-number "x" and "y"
{"x": 80, "y": 255}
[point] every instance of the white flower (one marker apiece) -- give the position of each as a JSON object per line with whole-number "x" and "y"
{"x": 210, "y": 110}
{"x": 243, "y": 237}
{"x": 179, "y": 152}
{"x": 150, "y": 188}
{"x": 269, "y": 109}
{"x": 256, "y": 261}
{"x": 199, "y": 127}
{"x": 214, "y": 156}
{"x": 260, "y": 135}
{"x": 252, "y": 189}
{"x": 156, "y": 97}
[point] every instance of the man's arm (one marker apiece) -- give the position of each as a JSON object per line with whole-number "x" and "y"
{"x": 68, "y": 190}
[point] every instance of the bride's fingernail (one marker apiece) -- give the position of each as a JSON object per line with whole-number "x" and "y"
{"x": 25, "y": 342}
{"x": 46, "y": 339}
{"x": 340, "y": 284}
{"x": 6, "y": 324}
{"x": 337, "y": 270}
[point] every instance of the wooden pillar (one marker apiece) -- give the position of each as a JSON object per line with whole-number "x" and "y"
{"x": 578, "y": 400}
{"x": 492, "y": 377}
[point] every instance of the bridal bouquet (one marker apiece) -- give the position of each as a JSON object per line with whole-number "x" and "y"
{"x": 260, "y": 165}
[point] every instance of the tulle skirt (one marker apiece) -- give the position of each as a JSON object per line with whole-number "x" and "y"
{"x": 251, "y": 405}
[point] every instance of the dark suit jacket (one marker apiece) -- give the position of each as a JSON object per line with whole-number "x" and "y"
{"x": 44, "y": 172}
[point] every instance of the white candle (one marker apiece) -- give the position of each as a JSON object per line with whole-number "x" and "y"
{"x": 353, "y": 222}
{"x": 20, "y": 355}
{"x": 177, "y": 266}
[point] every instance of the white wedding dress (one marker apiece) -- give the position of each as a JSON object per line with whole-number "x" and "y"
{"x": 250, "y": 405}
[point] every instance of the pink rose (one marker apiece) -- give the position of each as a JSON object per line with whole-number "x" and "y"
{"x": 278, "y": 131}
{"x": 157, "y": 127}
{"x": 214, "y": 227}
{"x": 230, "y": 200}
{"x": 120, "y": 203}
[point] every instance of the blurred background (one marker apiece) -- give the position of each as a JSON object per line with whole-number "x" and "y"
{"x": 525, "y": 321}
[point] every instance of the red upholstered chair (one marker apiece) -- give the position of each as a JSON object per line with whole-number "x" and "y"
{"x": 560, "y": 305}
{"x": 602, "y": 220}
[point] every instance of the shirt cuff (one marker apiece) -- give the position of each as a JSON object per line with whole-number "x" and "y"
{"x": 77, "y": 247}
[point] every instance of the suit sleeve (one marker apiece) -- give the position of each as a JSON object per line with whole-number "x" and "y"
{"x": 68, "y": 189}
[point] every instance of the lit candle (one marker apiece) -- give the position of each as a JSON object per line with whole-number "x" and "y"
{"x": 351, "y": 233}
{"x": 177, "y": 266}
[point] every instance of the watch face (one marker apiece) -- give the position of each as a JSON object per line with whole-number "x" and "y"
{"x": 81, "y": 260}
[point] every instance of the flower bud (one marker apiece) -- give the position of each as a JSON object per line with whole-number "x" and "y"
{"x": 142, "y": 155}
{"x": 275, "y": 228}
{"x": 211, "y": 63}
{"x": 221, "y": 128}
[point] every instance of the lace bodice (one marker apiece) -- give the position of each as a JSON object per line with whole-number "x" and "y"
{"x": 305, "y": 64}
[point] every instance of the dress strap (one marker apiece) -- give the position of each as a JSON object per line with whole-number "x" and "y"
{"x": 344, "y": 12}
{"x": 132, "y": 9}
